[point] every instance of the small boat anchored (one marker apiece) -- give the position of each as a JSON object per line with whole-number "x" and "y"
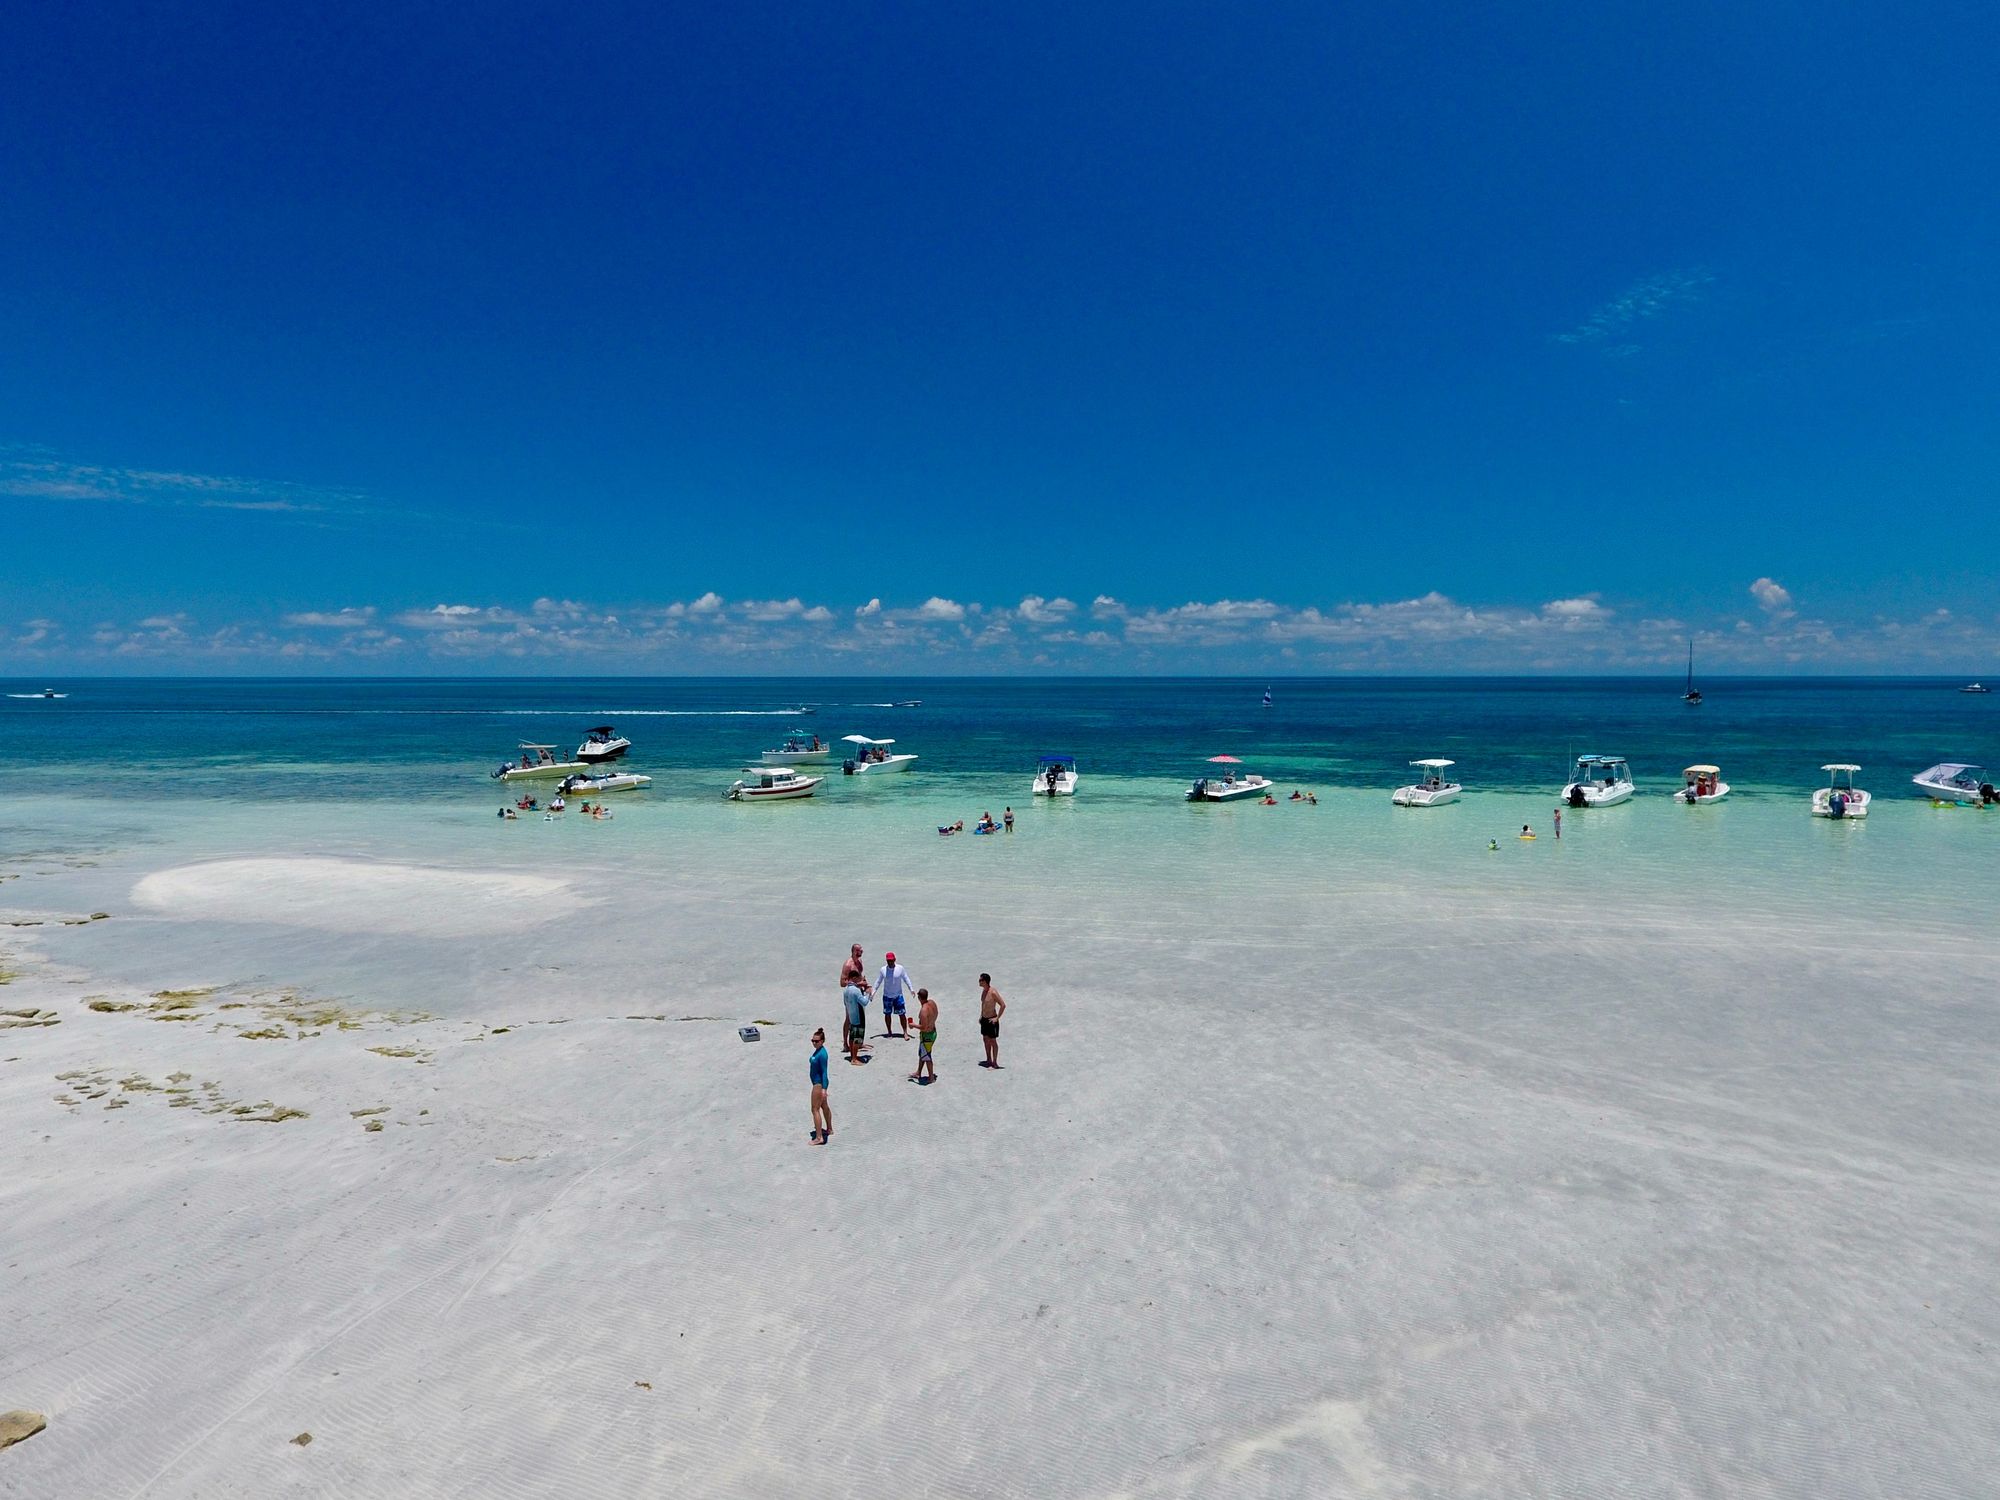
{"x": 1055, "y": 776}
{"x": 873, "y": 757}
{"x": 772, "y": 784}
{"x": 1840, "y": 797}
{"x": 536, "y": 761}
{"x": 1692, "y": 697}
{"x": 589, "y": 782}
{"x": 1704, "y": 785}
{"x": 1975, "y": 687}
{"x": 1231, "y": 786}
{"x": 799, "y": 749}
{"x": 603, "y": 743}
{"x": 1953, "y": 783}
{"x": 1598, "y": 781}
{"x": 1430, "y": 789}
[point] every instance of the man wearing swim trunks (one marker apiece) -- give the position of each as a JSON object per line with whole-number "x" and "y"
{"x": 894, "y": 983}
{"x": 992, "y": 1006}
{"x": 926, "y": 1036}
{"x": 822, "y": 1112}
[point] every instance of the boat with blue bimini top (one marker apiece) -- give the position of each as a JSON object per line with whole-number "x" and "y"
{"x": 1055, "y": 776}
{"x": 1598, "y": 781}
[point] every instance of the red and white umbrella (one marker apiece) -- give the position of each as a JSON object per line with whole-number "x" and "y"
{"x": 1224, "y": 760}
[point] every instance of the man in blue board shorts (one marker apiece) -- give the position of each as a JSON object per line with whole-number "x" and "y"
{"x": 822, "y": 1112}
{"x": 893, "y": 985}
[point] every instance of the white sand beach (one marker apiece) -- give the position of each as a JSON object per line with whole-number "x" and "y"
{"x": 1327, "y": 1199}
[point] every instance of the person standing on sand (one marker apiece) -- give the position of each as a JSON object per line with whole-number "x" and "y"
{"x": 854, "y": 971}
{"x": 893, "y": 983}
{"x": 854, "y": 1009}
{"x": 822, "y": 1112}
{"x": 926, "y": 1036}
{"x": 992, "y": 1006}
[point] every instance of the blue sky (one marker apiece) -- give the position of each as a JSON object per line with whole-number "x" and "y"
{"x": 802, "y": 337}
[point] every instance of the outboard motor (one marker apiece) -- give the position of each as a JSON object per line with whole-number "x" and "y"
{"x": 1576, "y": 797}
{"x": 1837, "y": 804}
{"x": 847, "y": 767}
{"x": 1987, "y": 796}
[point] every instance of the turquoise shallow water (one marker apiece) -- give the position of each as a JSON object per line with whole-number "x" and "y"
{"x": 139, "y": 774}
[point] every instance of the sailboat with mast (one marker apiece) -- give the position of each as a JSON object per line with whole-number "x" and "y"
{"x": 1692, "y": 697}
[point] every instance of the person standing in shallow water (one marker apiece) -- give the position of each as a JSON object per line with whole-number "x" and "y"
{"x": 822, "y": 1112}
{"x": 992, "y": 1006}
{"x": 1559, "y": 822}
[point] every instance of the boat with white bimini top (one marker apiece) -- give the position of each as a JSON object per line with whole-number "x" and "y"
{"x": 1430, "y": 789}
{"x": 1598, "y": 781}
{"x": 536, "y": 761}
{"x": 1840, "y": 797}
{"x": 1055, "y": 776}
{"x": 1231, "y": 786}
{"x": 799, "y": 749}
{"x": 1704, "y": 784}
{"x": 1953, "y": 782}
{"x": 603, "y": 743}
{"x": 772, "y": 784}
{"x": 584, "y": 783}
{"x": 873, "y": 757}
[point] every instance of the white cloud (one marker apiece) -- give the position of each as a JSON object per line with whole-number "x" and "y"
{"x": 1583, "y": 607}
{"x": 337, "y": 619}
{"x": 935, "y": 608}
{"x": 872, "y": 607}
{"x": 1039, "y": 611}
{"x": 707, "y": 604}
{"x": 1773, "y": 597}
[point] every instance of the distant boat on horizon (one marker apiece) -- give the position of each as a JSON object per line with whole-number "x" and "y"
{"x": 1975, "y": 687}
{"x": 1267, "y": 697}
{"x": 1692, "y": 697}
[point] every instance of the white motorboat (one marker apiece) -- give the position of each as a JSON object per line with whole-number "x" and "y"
{"x": 602, "y": 744}
{"x": 585, "y": 783}
{"x": 1954, "y": 782}
{"x": 1840, "y": 797}
{"x": 44, "y": 693}
{"x": 1704, "y": 784}
{"x": 799, "y": 749}
{"x": 1231, "y": 785}
{"x": 537, "y": 761}
{"x": 1055, "y": 776}
{"x": 1598, "y": 781}
{"x": 1970, "y": 687}
{"x": 1430, "y": 789}
{"x": 773, "y": 784}
{"x": 873, "y": 757}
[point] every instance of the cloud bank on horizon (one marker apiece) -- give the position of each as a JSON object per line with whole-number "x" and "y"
{"x": 1432, "y": 633}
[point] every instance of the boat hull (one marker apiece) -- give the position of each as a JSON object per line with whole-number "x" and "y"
{"x": 537, "y": 773}
{"x": 1822, "y": 805}
{"x": 1721, "y": 791}
{"x": 597, "y": 755}
{"x": 1065, "y": 786}
{"x": 1425, "y": 796}
{"x": 742, "y": 793}
{"x": 1949, "y": 792}
{"x": 796, "y": 757}
{"x": 1233, "y": 791}
{"x": 1596, "y": 794}
{"x": 887, "y": 767}
{"x": 623, "y": 781}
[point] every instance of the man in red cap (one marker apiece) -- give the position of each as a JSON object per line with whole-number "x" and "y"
{"x": 892, "y": 984}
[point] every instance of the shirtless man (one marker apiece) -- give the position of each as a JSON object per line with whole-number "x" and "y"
{"x": 992, "y": 1006}
{"x": 927, "y": 1014}
{"x": 854, "y": 975}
